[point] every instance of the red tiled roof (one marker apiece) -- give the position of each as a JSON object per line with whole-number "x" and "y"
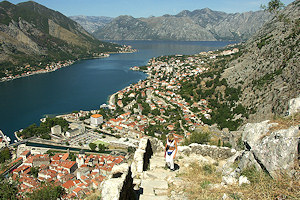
{"x": 65, "y": 156}
{"x": 76, "y": 190}
{"x": 68, "y": 184}
{"x": 67, "y": 164}
{"x": 25, "y": 153}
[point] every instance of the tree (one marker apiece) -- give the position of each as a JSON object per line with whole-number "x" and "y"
{"x": 273, "y": 6}
{"x": 4, "y": 155}
{"x": 93, "y": 146}
{"x": 101, "y": 147}
{"x": 8, "y": 190}
{"x": 48, "y": 191}
{"x": 34, "y": 171}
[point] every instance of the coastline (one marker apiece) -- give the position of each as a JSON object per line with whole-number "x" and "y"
{"x": 5, "y": 138}
{"x": 42, "y": 71}
{"x": 66, "y": 64}
{"x": 16, "y": 135}
{"x": 111, "y": 98}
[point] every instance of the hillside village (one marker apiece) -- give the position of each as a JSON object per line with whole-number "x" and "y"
{"x": 146, "y": 107}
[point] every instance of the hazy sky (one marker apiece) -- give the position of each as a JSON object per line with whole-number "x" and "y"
{"x": 146, "y": 8}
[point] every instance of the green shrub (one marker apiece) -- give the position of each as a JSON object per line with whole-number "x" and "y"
{"x": 252, "y": 174}
{"x": 208, "y": 169}
{"x": 205, "y": 184}
{"x": 93, "y": 146}
{"x": 227, "y": 144}
{"x": 198, "y": 137}
{"x": 47, "y": 191}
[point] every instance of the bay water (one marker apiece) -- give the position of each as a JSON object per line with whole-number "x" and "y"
{"x": 84, "y": 85}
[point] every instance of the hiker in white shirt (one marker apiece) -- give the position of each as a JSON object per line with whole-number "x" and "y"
{"x": 170, "y": 151}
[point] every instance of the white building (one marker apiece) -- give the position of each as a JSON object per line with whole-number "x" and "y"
{"x": 56, "y": 130}
{"x": 96, "y": 120}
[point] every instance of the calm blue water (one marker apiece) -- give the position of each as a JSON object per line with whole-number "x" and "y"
{"x": 83, "y": 86}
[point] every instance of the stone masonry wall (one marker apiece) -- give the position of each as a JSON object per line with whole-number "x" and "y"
{"x": 207, "y": 150}
{"x": 123, "y": 178}
{"x": 118, "y": 186}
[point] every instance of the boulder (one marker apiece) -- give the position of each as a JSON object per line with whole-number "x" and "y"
{"x": 248, "y": 161}
{"x": 278, "y": 151}
{"x": 294, "y": 106}
{"x": 229, "y": 180}
{"x": 273, "y": 152}
{"x": 253, "y": 132}
{"x": 243, "y": 180}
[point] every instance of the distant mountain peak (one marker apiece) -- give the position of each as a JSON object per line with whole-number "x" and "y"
{"x": 183, "y": 13}
{"x": 198, "y": 25}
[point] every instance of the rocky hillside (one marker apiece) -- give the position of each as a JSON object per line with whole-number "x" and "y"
{"x": 198, "y": 25}
{"x": 268, "y": 70}
{"x": 33, "y": 34}
{"x": 91, "y": 23}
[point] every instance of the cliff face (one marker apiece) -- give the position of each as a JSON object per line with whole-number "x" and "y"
{"x": 91, "y": 23}
{"x": 31, "y": 33}
{"x": 198, "y": 25}
{"x": 268, "y": 70}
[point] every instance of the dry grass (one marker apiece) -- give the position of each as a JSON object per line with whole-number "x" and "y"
{"x": 286, "y": 122}
{"x": 283, "y": 123}
{"x": 198, "y": 178}
{"x": 94, "y": 196}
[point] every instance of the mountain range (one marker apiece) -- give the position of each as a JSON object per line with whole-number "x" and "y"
{"x": 31, "y": 34}
{"x": 197, "y": 25}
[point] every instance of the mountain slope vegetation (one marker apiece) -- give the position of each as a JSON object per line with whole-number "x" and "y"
{"x": 31, "y": 34}
{"x": 268, "y": 70}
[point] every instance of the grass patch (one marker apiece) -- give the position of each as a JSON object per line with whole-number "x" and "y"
{"x": 198, "y": 179}
{"x": 100, "y": 142}
{"x": 208, "y": 169}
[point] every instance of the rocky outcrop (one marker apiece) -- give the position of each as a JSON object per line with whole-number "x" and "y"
{"x": 198, "y": 25}
{"x": 274, "y": 151}
{"x": 294, "y": 106}
{"x": 268, "y": 148}
{"x": 268, "y": 69}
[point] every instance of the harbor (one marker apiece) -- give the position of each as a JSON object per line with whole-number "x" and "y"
{"x": 5, "y": 140}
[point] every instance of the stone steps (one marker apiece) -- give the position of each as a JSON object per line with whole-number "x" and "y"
{"x": 152, "y": 197}
{"x": 154, "y": 182}
{"x": 155, "y": 174}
